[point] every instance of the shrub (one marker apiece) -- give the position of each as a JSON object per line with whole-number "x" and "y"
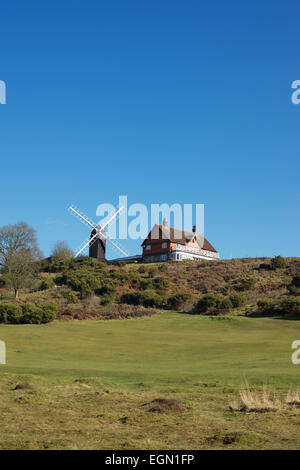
{"x": 263, "y": 266}
{"x": 160, "y": 283}
{"x": 290, "y": 306}
{"x": 278, "y": 262}
{"x": 296, "y": 281}
{"x": 176, "y": 301}
{"x": 151, "y": 298}
{"x": 84, "y": 275}
{"x": 147, "y": 298}
{"x": 86, "y": 291}
{"x": 119, "y": 275}
{"x": 3, "y": 313}
{"x": 238, "y": 300}
{"x": 134, "y": 279}
{"x": 108, "y": 293}
{"x": 145, "y": 283}
{"x": 131, "y": 298}
{"x": 266, "y": 307}
{"x": 49, "y": 311}
{"x": 106, "y": 288}
{"x": 213, "y": 305}
{"x": 2, "y": 282}
{"x": 47, "y": 284}
{"x": 32, "y": 314}
{"x": 107, "y": 299}
{"x": 206, "y": 302}
{"x": 152, "y": 271}
{"x": 163, "y": 268}
{"x": 293, "y": 290}
{"x": 10, "y": 313}
{"x": 70, "y": 296}
{"x": 58, "y": 265}
{"x": 28, "y": 313}
{"x": 223, "y": 303}
{"x": 245, "y": 284}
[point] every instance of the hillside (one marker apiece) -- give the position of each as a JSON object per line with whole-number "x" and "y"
{"x": 165, "y": 381}
{"x": 86, "y": 288}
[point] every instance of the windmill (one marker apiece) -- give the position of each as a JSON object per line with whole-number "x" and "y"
{"x": 98, "y": 237}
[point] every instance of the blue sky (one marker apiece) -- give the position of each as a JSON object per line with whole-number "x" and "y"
{"x": 163, "y": 101}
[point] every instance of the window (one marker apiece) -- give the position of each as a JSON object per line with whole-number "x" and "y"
{"x": 164, "y": 245}
{"x": 163, "y": 257}
{"x": 148, "y": 247}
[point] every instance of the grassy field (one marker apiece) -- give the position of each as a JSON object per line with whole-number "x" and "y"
{"x": 90, "y": 384}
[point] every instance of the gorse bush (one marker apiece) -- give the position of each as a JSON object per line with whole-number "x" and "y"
{"x": 238, "y": 300}
{"x": 278, "y": 262}
{"x": 266, "y": 307}
{"x": 294, "y": 287}
{"x": 160, "y": 283}
{"x": 36, "y": 314}
{"x": 206, "y": 302}
{"x": 210, "y": 304}
{"x": 177, "y": 301}
{"x": 32, "y": 313}
{"x": 11, "y": 313}
{"x": 287, "y": 306}
{"x": 147, "y": 298}
{"x": 290, "y": 306}
{"x": 58, "y": 265}
{"x": 47, "y": 284}
{"x": 245, "y": 284}
{"x": 145, "y": 283}
{"x": 70, "y": 296}
{"x": 296, "y": 280}
{"x": 28, "y": 313}
{"x": 49, "y": 311}
{"x": 83, "y": 276}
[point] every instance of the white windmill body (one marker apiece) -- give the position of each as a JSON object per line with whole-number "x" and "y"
{"x": 96, "y": 243}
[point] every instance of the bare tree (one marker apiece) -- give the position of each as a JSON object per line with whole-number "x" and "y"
{"x": 61, "y": 250}
{"x": 19, "y": 270}
{"x": 18, "y": 255}
{"x": 17, "y": 237}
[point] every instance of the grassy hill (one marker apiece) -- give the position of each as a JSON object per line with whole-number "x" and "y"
{"x": 168, "y": 380}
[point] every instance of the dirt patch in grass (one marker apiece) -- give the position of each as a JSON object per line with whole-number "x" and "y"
{"x": 237, "y": 437}
{"x": 158, "y": 405}
{"x": 23, "y": 386}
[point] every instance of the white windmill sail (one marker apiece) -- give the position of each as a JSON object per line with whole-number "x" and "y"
{"x": 99, "y": 230}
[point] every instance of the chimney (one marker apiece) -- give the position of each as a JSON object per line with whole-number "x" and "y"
{"x": 165, "y": 222}
{"x": 195, "y": 228}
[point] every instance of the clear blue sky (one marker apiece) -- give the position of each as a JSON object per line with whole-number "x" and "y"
{"x": 164, "y": 101}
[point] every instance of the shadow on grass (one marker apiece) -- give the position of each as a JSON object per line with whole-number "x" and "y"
{"x": 274, "y": 316}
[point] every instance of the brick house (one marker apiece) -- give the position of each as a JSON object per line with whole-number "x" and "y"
{"x": 165, "y": 243}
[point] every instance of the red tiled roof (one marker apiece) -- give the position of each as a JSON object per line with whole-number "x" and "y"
{"x": 176, "y": 235}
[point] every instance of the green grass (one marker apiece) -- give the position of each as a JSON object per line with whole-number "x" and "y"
{"x": 89, "y": 380}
